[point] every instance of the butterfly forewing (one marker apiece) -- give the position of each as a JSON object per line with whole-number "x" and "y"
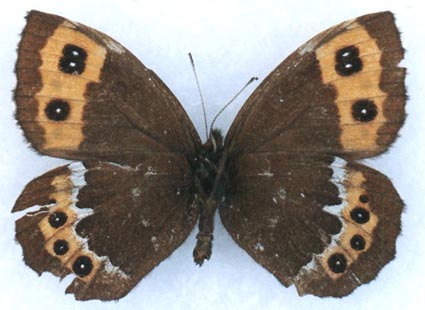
{"x": 342, "y": 92}
{"x": 81, "y": 95}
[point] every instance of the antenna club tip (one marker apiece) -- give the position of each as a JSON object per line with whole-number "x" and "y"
{"x": 191, "y": 58}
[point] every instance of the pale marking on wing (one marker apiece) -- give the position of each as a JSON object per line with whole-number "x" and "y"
{"x": 113, "y": 45}
{"x": 281, "y": 192}
{"x": 266, "y": 173}
{"x": 126, "y": 167}
{"x": 69, "y": 24}
{"x": 311, "y": 45}
{"x": 273, "y": 222}
{"x": 62, "y": 85}
{"x": 155, "y": 244}
{"x": 136, "y": 192}
{"x": 339, "y": 175}
{"x": 37, "y": 211}
{"x": 259, "y": 247}
{"x": 358, "y": 86}
{"x": 109, "y": 42}
{"x": 150, "y": 171}
{"x": 145, "y": 222}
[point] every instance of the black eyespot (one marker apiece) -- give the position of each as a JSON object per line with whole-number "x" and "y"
{"x": 57, "y": 219}
{"x": 357, "y": 242}
{"x": 60, "y": 247}
{"x": 73, "y": 60}
{"x": 347, "y": 61}
{"x": 51, "y": 201}
{"x": 82, "y": 266}
{"x": 364, "y": 110}
{"x": 364, "y": 198}
{"x": 360, "y": 215}
{"x": 337, "y": 263}
{"x": 57, "y": 110}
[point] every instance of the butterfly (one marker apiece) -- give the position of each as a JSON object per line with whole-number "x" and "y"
{"x": 285, "y": 179}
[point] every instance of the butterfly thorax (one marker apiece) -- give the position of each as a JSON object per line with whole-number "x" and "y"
{"x": 208, "y": 161}
{"x": 209, "y": 175}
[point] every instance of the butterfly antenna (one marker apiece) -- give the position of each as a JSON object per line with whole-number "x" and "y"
{"x": 200, "y": 93}
{"x": 230, "y": 101}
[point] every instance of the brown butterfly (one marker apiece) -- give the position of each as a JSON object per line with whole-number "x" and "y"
{"x": 285, "y": 178}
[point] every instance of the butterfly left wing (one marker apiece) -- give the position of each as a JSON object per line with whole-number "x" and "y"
{"x": 106, "y": 224}
{"x": 321, "y": 223}
{"x": 81, "y": 95}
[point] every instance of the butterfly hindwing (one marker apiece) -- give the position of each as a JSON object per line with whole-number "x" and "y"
{"x": 81, "y": 95}
{"x": 342, "y": 93}
{"x": 370, "y": 214}
{"x": 321, "y": 223}
{"x": 104, "y": 223}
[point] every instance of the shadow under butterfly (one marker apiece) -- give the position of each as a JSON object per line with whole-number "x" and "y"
{"x": 285, "y": 178}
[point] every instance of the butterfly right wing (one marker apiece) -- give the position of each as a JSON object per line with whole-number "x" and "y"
{"x": 295, "y": 200}
{"x": 81, "y": 95}
{"x": 108, "y": 225}
{"x": 340, "y": 93}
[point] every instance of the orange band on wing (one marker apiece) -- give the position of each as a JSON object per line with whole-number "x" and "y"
{"x": 66, "y": 134}
{"x": 362, "y": 85}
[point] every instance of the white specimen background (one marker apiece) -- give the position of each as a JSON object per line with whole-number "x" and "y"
{"x": 231, "y": 41}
